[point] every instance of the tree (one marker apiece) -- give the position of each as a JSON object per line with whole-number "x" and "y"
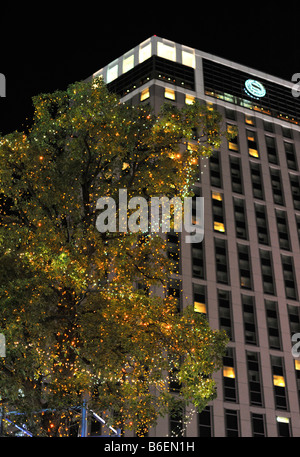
{"x": 73, "y": 318}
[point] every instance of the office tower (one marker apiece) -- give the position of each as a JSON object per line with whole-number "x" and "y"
{"x": 245, "y": 275}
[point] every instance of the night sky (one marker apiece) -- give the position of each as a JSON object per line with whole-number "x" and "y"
{"x": 44, "y": 47}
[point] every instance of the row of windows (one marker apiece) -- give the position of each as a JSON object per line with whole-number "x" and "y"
{"x": 232, "y": 424}
{"x": 245, "y": 267}
{"x": 249, "y": 315}
{"x": 271, "y": 148}
{"x": 256, "y": 398}
{"x": 256, "y": 178}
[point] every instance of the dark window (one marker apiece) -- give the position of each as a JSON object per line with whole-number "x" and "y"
{"x": 271, "y": 149}
{"x": 249, "y": 319}
{"x": 205, "y": 422}
{"x": 273, "y": 324}
{"x": 295, "y": 189}
{"x": 283, "y": 232}
{"x": 262, "y": 224}
{"x": 221, "y": 261}
{"x": 254, "y": 379}
{"x": 225, "y": 312}
{"x": 231, "y": 423}
{"x": 244, "y": 266}
{"x": 240, "y": 218}
{"x": 256, "y": 178}
{"x": 236, "y": 175}
{"x": 198, "y": 264}
{"x": 267, "y": 271}
{"x": 276, "y": 186}
{"x": 289, "y": 277}
{"x": 290, "y": 156}
{"x": 215, "y": 170}
{"x": 258, "y": 425}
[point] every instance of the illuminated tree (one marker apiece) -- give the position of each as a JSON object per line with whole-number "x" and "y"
{"x": 73, "y": 318}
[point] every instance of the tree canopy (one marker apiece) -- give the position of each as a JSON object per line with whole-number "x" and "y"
{"x": 74, "y": 320}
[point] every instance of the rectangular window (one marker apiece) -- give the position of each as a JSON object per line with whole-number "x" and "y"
{"x": 225, "y": 312}
{"x": 283, "y": 232}
{"x": 254, "y": 378}
{"x": 268, "y": 126}
{"x": 233, "y": 142}
{"x": 229, "y": 376}
{"x": 128, "y": 63}
{"x": 221, "y": 261}
{"x": 298, "y": 226}
{"x": 271, "y": 149}
{"x": 273, "y": 324}
{"x": 236, "y": 174}
{"x": 276, "y": 186}
{"x": 249, "y": 120}
{"x": 218, "y": 215}
{"x": 250, "y": 327}
{"x": 240, "y": 218}
{"x": 199, "y": 292}
{"x": 256, "y": 178}
{"x": 295, "y": 189}
{"x": 205, "y": 422}
{"x": 258, "y": 425}
{"x": 283, "y": 427}
{"x": 262, "y": 224}
{"x": 145, "y": 94}
{"x": 289, "y": 277}
{"x": 294, "y": 318}
{"x": 252, "y": 144}
{"x": 188, "y": 58}
{"x": 198, "y": 265}
{"x": 279, "y": 384}
{"x": 231, "y": 423}
{"x": 189, "y": 99}
{"x": 244, "y": 266}
{"x": 170, "y": 94}
{"x": 290, "y": 155}
{"x": 167, "y": 51}
{"x": 267, "y": 271}
{"x": 215, "y": 170}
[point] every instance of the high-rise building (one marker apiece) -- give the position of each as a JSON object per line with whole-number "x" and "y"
{"x": 245, "y": 275}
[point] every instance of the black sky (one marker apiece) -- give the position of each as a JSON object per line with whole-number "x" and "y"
{"x": 47, "y": 47}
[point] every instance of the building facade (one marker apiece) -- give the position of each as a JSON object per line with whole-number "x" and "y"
{"x": 245, "y": 275}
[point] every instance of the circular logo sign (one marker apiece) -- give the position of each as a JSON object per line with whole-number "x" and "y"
{"x": 254, "y": 88}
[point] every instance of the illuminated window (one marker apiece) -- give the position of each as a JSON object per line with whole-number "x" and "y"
{"x": 189, "y": 99}
{"x": 128, "y": 63}
{"x": 278, "y": 381}
{"x": 249, "y": 120}
{"x": 112, "y": 73}
{"x": 145, "y": 52}
{"x": 199, "y": 307}
{"x": 217, "y": 196}
{"x": 188, "y": 59}
{"x": 166, "y": 51}
{"x": 228, "y": 372}
{"x": 170, "y": 94}
{"x": 219, "y": 226}
{"x": 233, "y": 142}
{"x": 199, "y": 292}
{"x": 297, "y": 365}
{"x": 283, "y": 426}
{"x": 145, "y": 94}
{"x": 252, "y": 144}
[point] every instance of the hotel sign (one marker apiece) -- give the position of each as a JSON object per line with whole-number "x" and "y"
{"x": 254, "y": 89}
